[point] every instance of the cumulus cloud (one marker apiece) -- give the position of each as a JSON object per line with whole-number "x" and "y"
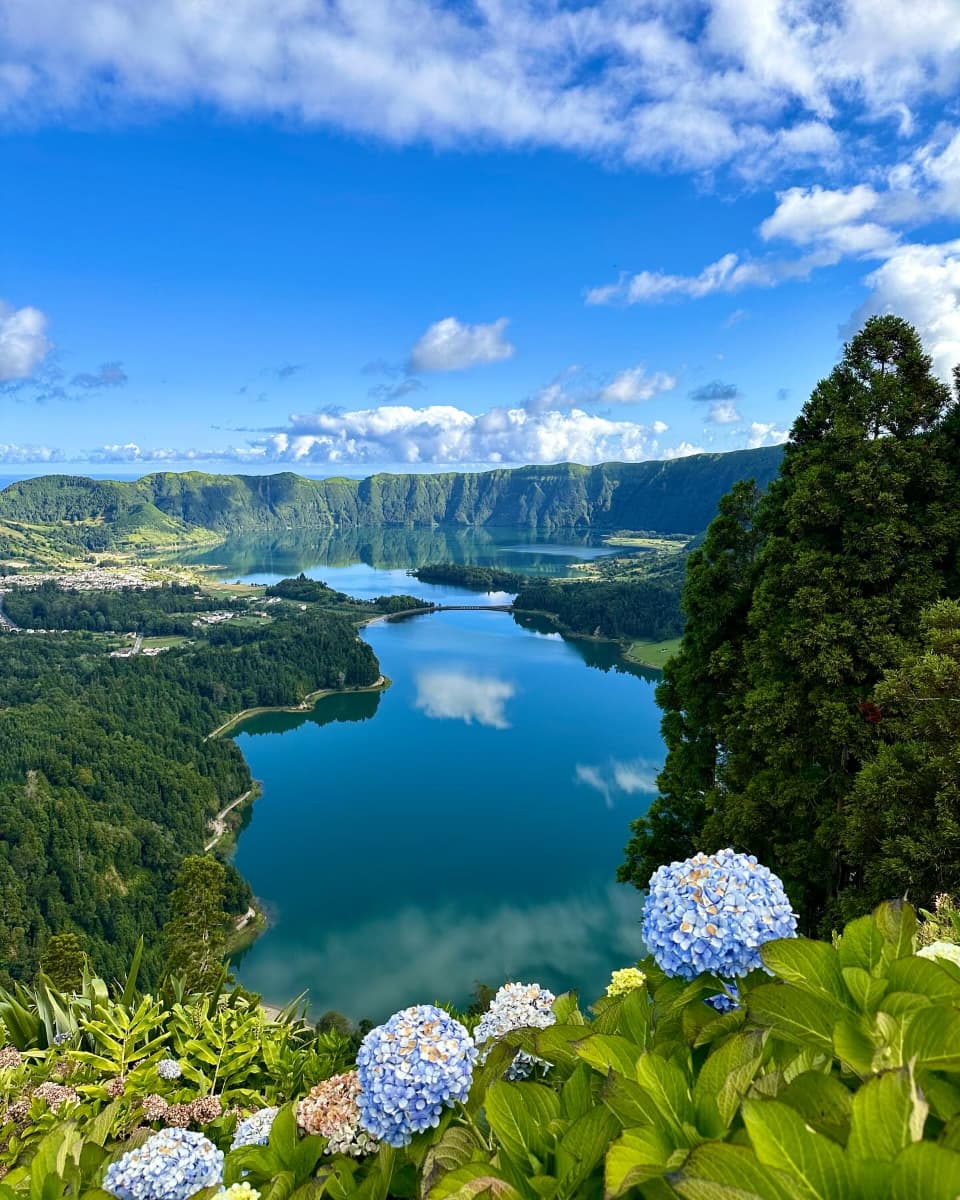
{"x": 761, "y": 85}
{"x": 922, "y": 284}
{"x": 460, "y": 696}
{"x": 723, "y": 412}
{"x": 446, "y": 434}
{"x": 449, "y": 345}
{"x": 11, "y": 453}
{"x": 766, "y": 434}
{"x": 635, "y": 384}
{"x": 23, "y": 341}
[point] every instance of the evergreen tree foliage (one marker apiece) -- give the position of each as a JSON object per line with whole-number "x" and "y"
{"x": 901, "y": 827}
{"x": 857, "y": 535}
{"x": 194, "y": 935}
{"x": 63, "y": 960}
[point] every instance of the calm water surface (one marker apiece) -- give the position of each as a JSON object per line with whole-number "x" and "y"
{"x": 464, "y": 825}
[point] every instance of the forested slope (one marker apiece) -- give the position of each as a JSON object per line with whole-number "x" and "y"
{"x": 107, "y": 778}
{"x": 679, "y": 495}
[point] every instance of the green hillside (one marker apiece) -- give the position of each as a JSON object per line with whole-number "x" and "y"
{"x": 679, "y": 495}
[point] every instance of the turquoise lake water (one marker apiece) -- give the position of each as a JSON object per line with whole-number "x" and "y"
{"x": 466, "y": 824}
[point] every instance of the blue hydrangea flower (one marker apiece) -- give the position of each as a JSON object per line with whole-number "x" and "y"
{"x": 409, "y": 1069}
{"x": 712, "y": 912}
{"x": 169, "y": 1069}
{"x": 524, "y": 1065}
{"x": 725, "y": 1001}
{"x": 174, "y": 1164}
{"x": 255, "y": 1129}
{"x": 60, "y": 1039}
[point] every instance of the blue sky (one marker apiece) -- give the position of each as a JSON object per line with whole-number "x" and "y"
{"x": 348, "y": 235}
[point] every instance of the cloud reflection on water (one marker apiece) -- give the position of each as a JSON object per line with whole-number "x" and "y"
{"x": 380, "y": 966}
{"x": 628, "y": 778}
{"x": 457, "y": 695}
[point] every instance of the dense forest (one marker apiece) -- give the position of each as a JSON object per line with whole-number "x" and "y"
{"x": 678, "y": 496}
{"x": 811, "y": 714}
{"x": 154, "y": 611}
{"x": 477, "y": 579}
{"x": 108, "y": 778}
{"x": 641, "y": 608}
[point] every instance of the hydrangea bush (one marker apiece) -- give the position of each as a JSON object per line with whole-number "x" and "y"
{"x": 831, "y": 1075}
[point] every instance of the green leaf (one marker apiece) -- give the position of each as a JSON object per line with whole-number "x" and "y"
{"x": 897, "y": 922}
{"x": 888, "y": 1114}
{"x": 576, "y": 1095}
{"x": 866, "y": 989}
{"x": 567, "y": 1011}
{"x": 813, "y": 967}
{"x": 637, "y": 1155}
{"x": 519, "y": 1114}
{"x": 795, "y": 1016}
{"x": 604, "y": 1051}
{"x": 723, "y": 1081}
{"x": 853, "y": 1044}
{"x": 631, "y": 1104}
{"x": 716, "y": 1171}
{"x": 472, "y": 1182}
{"x": 667, "y": 1085}
{"x": 583, "y": 1146}
{"x": 453, "y": 1149}
{"x": 924, "y": 1171}
{"x": 926, "y": 977}
{"x": 933, "y": 1038}
{"x": 636, "y": 1016}
{"x": 823, "y": 1102}
{"x": 861, "y": 945}
{"x": 783, "y": 1141}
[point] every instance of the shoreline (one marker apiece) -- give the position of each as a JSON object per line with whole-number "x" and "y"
{"x": 310, "y": 701}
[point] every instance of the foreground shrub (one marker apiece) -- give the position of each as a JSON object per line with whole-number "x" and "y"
{"x": 836, "y": 1077}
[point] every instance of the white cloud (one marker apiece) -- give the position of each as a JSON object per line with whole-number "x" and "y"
{"x": 445, "y": 434}
{"x": 459, "y": 696}
{"x": 11, "y": 453}
{"x": 750, "y": 82}
{"x": 922, "y": 284}
{"x": 634, "y": 385}
{"x": 23, "y": 341}
{"x": 723, "y": 412}
{"x": 449, "y": 345}
{"x": 766, "y": 434}
{"x": 803, "y": 215}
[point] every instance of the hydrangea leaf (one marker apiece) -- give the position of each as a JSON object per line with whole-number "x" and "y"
{"x": 823, "y": 1102}
{"x": 604, "y": 1051}
{"x": 583, "y": 1146}
{"x": 716, "y": 1171}
{"x": 811, "y": 966}
{"x": 519, "y": 1114}
{"x": 925, "y": 1170}
{"x": 926, "y": 977}
{"x": 781, "y": 1139}
{"x": 631, "y": 1104}
{"x": 667, "y": 1085}
{"x": 933, "y": 1038}
{"x": 897, "y": 922}
{"x": 866, "y": 989}
{"x": 723, "y": 1081}
{"x": 637, "y": 1155}
{"x": 795, "y": 1016}
{"x": 861, "y": 945}
{"x": 476, "y": 1181}
{"x": 576, "y": 1095}
{"x": 888, "y": 1114}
